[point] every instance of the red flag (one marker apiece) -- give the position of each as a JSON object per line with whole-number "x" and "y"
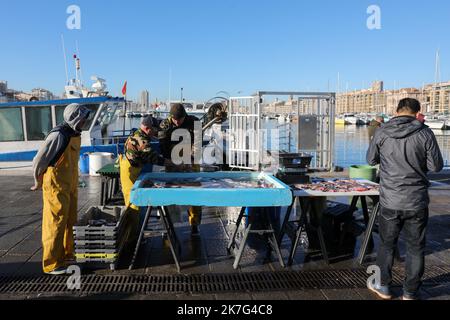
{"x": 124, "y": 89}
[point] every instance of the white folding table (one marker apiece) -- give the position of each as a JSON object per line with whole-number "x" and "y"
{"x": 306, "y": 198}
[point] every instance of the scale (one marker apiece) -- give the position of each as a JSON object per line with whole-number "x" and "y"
{"x": 294, "y": 168}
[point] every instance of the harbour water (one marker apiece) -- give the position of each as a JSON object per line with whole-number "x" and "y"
{"x": 351, "y": 142}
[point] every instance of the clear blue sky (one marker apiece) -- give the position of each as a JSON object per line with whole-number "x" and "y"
{"x": 231, "y": 45}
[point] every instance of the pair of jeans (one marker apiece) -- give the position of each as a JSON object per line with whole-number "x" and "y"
{"x": 413, "y": 224}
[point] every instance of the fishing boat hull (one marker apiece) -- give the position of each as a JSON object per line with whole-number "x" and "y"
{"x": 21, "y": 142}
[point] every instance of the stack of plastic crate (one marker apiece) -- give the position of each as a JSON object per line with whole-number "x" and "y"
{"x": 99, "y": 236}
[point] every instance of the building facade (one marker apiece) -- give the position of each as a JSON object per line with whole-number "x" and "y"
{"x": 439, "y": 97}
{"x": 434, "y": 98}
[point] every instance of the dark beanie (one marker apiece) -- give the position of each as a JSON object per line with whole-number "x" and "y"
{"x": 148, "y": 122}
{"x": 177, "y": 111}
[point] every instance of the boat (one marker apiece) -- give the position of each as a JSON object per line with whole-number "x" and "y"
{"x": 340, "y": 121}
{"x": 350, "y": 119}
{"x": 25, "y": 125}
{"x": 436, "y": 124}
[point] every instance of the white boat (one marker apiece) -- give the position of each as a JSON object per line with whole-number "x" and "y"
{"x": 25, "y": 125}
{"x": 436, "y": 124}
{"x": 351, "y": 119}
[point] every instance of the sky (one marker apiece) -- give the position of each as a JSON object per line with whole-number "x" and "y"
{"x": 237, "y": 46}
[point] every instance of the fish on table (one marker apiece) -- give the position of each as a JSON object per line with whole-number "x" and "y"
{"x": 207, "y": 184}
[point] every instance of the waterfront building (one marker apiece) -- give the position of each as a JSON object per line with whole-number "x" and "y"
{"x": 145, "y": 101}
{"x": 434, "y": 98}
{"x": 371, "y": 100}
{"x": 42, "y": 94}
{"x": 439, "y": 97}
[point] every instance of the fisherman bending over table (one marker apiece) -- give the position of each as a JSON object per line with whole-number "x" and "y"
{"x": 179, "y": 119}
{"x": 56, "y": 171}
{"x": 137, "y": 154}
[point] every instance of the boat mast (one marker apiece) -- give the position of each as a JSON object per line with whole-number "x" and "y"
{"x": 437, "y": 78}
{"x": 65, "y": 59}
{"x": 79, "y": 65}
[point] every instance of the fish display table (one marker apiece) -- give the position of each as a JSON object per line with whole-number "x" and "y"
{"x": 308, "y": 193}
{"x": 217, "y": 189}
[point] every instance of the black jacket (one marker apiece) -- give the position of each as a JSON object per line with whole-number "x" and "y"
{"x": 407, "y": 150}
{"x": 167, "y": 128}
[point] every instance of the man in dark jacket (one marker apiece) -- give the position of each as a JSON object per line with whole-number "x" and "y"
{"x": 180, "y": 120}
{"x": 406, "y": 150}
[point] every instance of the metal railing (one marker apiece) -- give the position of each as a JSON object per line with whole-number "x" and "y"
{"x": 244, "y": 150}
{"x": 314, "y": 131}
{"x": 444, "y": 144}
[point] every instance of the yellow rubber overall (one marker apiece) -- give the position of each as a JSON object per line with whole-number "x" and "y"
{"x": 195, "y": 213}
{"x": 128, "y": 177}
{"x": 60, "y": 199}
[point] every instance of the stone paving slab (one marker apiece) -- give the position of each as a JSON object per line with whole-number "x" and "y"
{"x": 11, "y": 264}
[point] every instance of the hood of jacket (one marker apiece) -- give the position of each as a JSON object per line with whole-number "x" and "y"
{"x": 402, "y": 127}
{"x": 74, "y": 114}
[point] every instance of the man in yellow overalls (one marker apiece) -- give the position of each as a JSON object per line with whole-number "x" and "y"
{"x": 56, "y": 171}
{"x": 138, "y": 153}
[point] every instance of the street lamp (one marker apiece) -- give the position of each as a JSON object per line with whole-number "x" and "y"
{"x": 181, "y": 95}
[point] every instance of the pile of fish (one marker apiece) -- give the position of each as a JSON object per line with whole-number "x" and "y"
{"x": 338, "y": 186}
{"x": 208, "y": 183}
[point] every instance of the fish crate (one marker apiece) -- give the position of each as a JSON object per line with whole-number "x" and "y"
{"x": 94, "y": 237}
{"x": 96, "y": 243}
{"x": 99, "y": 235}
{"x": 96, "y": 251}
{"x": 97, "y": 257}
{"x": 100, "y": 224}
{"x": 100, "y": 220}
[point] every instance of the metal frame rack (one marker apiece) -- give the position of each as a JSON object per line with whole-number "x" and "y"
{"x": 315, "y": 130}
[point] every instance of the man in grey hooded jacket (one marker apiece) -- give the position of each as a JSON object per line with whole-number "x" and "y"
{"x": 406, "y": 150}
{"x": 56, "y": 170}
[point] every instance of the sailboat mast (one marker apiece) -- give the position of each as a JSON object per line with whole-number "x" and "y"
{"x": 65, "y": 59}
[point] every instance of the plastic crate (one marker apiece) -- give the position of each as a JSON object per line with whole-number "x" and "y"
{"x": 96, "y": 257}
{"x": 99, "y": 235}
{"x": 95, "y": 251}
{"x": 101, "y": 219}
{"x": 99, "y": 243}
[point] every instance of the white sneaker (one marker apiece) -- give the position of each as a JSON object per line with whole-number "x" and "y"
{"x": 58, "y": 271}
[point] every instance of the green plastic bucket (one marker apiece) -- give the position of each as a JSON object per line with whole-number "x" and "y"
{"x": 363, "y": 172}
